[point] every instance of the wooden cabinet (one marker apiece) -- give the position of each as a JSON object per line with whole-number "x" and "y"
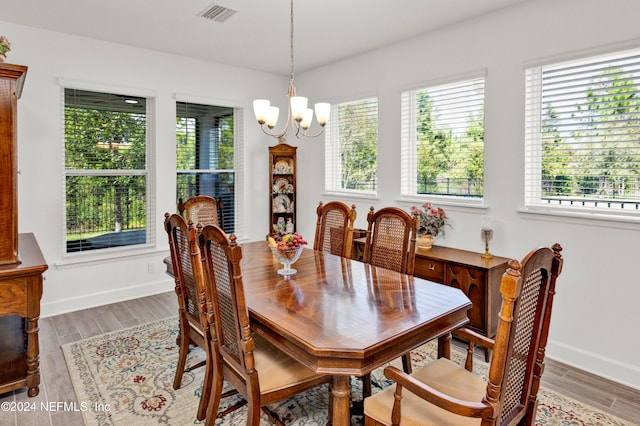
{"x": 477, "y": 277}
{"x": 11, "y": 82}
{"x": 282, "y": 188}
{"x": 21, "y": 262}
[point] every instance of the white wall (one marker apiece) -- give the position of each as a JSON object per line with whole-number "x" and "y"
{"x": 53, "y": 56}
{"x": 593, "y": 324}
{"x": 595, "y": 312}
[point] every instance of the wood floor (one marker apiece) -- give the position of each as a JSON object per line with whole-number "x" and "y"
{"x": 56, "y": 388}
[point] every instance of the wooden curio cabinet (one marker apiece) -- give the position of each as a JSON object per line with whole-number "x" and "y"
{"x": 21, "y": 262}
{"x": 282, "y": 188}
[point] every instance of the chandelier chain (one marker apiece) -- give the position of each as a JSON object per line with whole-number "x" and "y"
{"x": 291, "y": 46}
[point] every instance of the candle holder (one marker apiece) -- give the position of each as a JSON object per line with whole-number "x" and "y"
{"x": 487, "y": 234}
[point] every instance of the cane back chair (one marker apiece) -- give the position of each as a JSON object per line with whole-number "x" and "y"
{"x": 444, "y": 393}
{"x": 190, "y": 300}
{"x": 334, "y": 228}
{"x": 260, "y": 372}
{"x": 390, "y": 244}
{"x": 391, "y": 239}
{"x": 202, "y": 209}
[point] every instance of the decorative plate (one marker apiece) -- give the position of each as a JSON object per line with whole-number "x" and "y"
{"x": 282, "y": 167}
{"x": 281, "y": 204}
{"x": 282, "y": 186}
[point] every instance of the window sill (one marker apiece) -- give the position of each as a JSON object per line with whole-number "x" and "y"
{"x": 589, "y": 218}
{"x": 106, "y": 256}
{"x": 468, "y": 205}
{"x": 355, "y": 196}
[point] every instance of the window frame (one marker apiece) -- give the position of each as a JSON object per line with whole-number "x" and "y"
{"x": 409, "y": 139}
{"x": 332, "y": 150}
{"x": 150, "y": 244}
{"x": 533, "y": 202}
{"x": 239, "y": 109}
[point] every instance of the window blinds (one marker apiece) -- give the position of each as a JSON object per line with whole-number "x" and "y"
{"x": 442, "y": 139}
{"x": 352, "y": 147}
{"x": 582, "y": 145}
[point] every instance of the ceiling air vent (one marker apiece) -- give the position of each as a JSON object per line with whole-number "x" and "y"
{"x": 217, "y": 13}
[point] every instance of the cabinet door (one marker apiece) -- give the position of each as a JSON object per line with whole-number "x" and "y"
{"x": 473, "y": 282}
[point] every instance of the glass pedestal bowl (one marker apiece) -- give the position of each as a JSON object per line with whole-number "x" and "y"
{"x": 287, "y": 258}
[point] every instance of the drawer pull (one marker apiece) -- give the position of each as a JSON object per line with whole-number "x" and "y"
{"x": 432, "y": 267}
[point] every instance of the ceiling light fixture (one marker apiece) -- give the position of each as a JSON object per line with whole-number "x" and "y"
{"x": 298, "y": 115}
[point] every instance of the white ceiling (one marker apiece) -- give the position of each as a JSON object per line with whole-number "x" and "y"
{"x": 257, "y": 36}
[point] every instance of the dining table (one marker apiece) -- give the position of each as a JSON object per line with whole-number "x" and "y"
{"x": 342, "y": 317}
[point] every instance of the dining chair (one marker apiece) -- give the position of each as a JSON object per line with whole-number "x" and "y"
{"x": 190, "y": 302}
{"x": 391, "y": 239}
{"x": 391, "y": 244}
{"x": 334, "y": 228}
{"x": 444, "y": 393}
{"x": 260, "y": 372}
{"x": 202, "y": 209}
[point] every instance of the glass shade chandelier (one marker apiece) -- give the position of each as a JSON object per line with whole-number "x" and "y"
{"x": 299, "y": 117}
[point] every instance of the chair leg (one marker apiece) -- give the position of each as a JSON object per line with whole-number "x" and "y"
{"x": 366, "y": 386}
{"x": 182, "y": 358}
{"x": 214, "y": 399}
{"x": 206, "y": 389}
{"x": 406, "y": 362}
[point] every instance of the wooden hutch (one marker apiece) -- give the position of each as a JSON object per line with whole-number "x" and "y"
{"x": 21, "y": 261}
{"x": 282, "y": 187}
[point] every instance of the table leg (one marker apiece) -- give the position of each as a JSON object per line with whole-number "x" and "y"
{"x": 33, "y": 357}
{"x": 444, "y": 346}
{"x": 340, "y": 391}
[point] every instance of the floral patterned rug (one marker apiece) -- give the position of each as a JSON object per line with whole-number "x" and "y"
{"x": 126, "y": 377}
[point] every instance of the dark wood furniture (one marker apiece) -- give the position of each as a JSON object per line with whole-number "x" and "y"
{"x": 21, "y": 261}
{"x": 202, "y": 209}
{"x": 260, "y": 372}
{"x": 444, "y": 393}
{"x": 477, "y": 277}
{"x": 282, "y": 186}
{"x": 334, "y": 228}
{"x": 20, "y": 294}
{"x": 342, "y": 317}
{"x": 190, "y": 299}
{"x": 11, "y": 82}
{"x": 345, "y": 318}
{"x": 391, "y": 239}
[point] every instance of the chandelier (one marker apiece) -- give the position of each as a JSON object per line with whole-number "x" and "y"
{"x": 299, "y": 117}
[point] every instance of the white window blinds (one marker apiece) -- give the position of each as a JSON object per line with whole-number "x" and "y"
{"x": 352, "y": 147}
{"x": 109, "y": 196}
{"x": 583, "y": 134}
{"x": 442, "y": 140}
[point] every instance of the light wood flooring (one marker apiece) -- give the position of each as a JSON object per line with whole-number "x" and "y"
{"x": 56, "y": 387}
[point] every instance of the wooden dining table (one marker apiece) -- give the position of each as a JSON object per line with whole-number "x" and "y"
{"x": 342, "y": 317}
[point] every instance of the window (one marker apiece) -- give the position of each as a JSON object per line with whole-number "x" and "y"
{"x": 351, "y": 157}
{"x": 107, "y": 189}
{"x": 206, "y": 140}
{"x": 583, "y": 135}
{"x": 442, "y": 140}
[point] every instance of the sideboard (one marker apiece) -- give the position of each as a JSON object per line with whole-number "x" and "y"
{"x": 20, "y": 294}
{"x": 477, "y": 277}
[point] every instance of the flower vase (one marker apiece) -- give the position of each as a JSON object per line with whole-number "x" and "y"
{"x": 2, "y": 57}
{"x": 425, "y": 241}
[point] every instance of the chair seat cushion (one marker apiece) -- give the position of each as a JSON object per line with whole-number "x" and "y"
{"x": 276, "y": 369}
{"x": 444, "y": 375}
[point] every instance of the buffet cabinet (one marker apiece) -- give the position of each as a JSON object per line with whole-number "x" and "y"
{"x": 282, "y": 188}
{"x": 477, "y": 277}
{"x": 21, "y": 261}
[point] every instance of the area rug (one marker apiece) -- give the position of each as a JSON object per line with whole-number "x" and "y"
{"x": 126, "y": 378}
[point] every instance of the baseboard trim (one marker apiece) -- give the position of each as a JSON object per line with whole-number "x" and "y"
{"x": 73, "y": 304}
{"x": 626, "y": 374}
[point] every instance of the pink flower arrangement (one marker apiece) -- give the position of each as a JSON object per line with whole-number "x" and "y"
{"x": 5, "y": 46}
{"x": 431, "y": 220}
